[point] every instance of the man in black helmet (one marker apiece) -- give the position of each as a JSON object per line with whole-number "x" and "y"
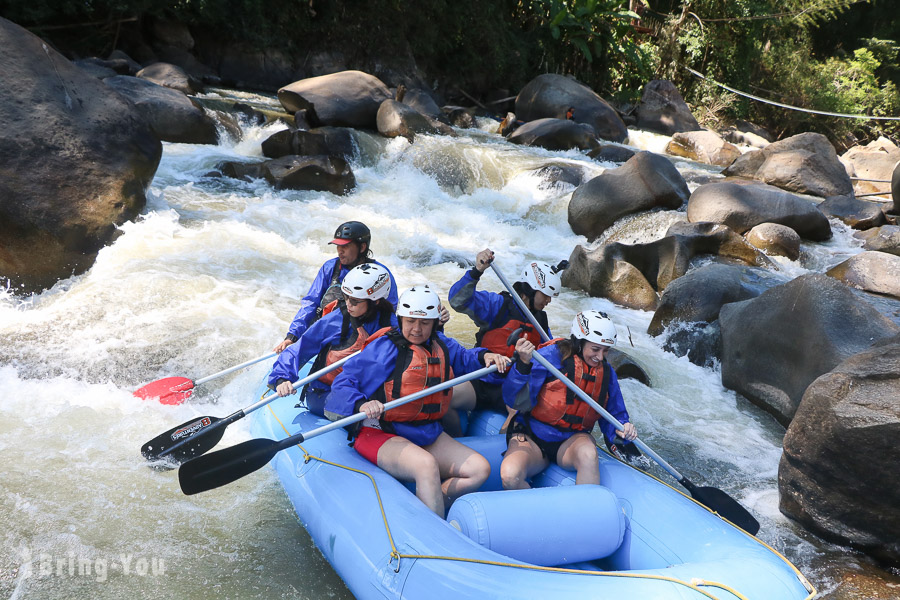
{"x": 352, "y": 240}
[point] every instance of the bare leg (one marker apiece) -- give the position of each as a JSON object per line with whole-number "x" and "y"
{"x": 408, "y": 462}
{"x": 523, "y": 459}
{"x": 462, "y": 470}
{"x": 463, "y": 399}
{"x": 580, "y": 453}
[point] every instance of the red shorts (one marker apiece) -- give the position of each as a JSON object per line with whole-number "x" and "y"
{"x": 369, "y": 441}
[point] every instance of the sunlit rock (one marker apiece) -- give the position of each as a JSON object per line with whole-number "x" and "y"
{"x": 663, "y": 110}
{"x": 703, "y": 146}
{"x": 775, "y": 240}
{"x": 345, "y": 99}
{"x": 854, "y": 212}
{"x": 877, "y": 272}
{"x": 397, "y": 119}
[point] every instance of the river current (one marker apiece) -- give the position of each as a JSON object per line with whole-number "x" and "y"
{"x": 210, "y": 275}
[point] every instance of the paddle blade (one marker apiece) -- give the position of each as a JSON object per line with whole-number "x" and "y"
{"x": 198, "y": 435}
{"x": 224, "y": 466}
{"x": 170, "y": 390}
{"x": 720, "y": 502}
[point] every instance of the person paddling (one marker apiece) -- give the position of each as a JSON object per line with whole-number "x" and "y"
{"x": 361, "y": 314}
{"x": 553, "y": 424}
{"x": 409, "y": 442}
{"x": 352, "y": 240}
{"x": 498, "y": 316}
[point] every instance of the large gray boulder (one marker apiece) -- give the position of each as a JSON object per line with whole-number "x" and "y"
{"x": 837, "y": 474}
{"x": 703, "y": 146}
{"x": 644, "y": 182}
{"x": 170, "y": 76}
{"x": 319, "y": 173}
{"x": 345, "y": 99}
{"x": 775, "y": 345}
{"x": 550, "y": 96}
{"x": 877, "y": 272}
{"x": 854, "y": 212}
{"x": 395, "y": 119}
{"x": 555, "y": 134}
{"x": 663, "y": 110}
{"x": 742, "y": 206}
{"x": 883, "y": 239}
{"x": 805, "y": 164}
{"x": 171, "y": 114}
{"x": 75, "y": 161}
{"x": 328, "y": 141}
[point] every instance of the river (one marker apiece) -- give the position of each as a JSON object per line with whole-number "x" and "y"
{"x": 210, "y": 275}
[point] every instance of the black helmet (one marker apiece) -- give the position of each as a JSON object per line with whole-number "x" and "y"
{"x": 352, "y": 231}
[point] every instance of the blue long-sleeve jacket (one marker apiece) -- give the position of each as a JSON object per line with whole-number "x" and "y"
{"x": 326, "y": 330}
{"x": 518, "y": 384}
{"x": 483, "y": 308}
{"x": 307, "y": 313}
{"x": 366, "y": 373}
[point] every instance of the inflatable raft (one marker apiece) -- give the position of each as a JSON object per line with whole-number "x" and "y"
{"x": 630, "y": 537}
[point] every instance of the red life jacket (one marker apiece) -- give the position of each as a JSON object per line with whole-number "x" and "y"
{"x": 558, "y": 406}
{"x": 350, "y": 341}
{"x": 418, "y": 368}
{"x": 494, "y": 336}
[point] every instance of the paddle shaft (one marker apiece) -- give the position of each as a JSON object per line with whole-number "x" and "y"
{"x": 234, "y": 368}
{"x": 262, "y": 402}
{"x": 515, "y": 296}
{"x": 300, "y": 437}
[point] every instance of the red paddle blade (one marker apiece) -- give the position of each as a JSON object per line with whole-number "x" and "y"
{"x": 170, "y": 390}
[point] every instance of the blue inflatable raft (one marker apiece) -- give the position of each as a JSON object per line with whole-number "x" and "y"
{"x": 631, "y": 537}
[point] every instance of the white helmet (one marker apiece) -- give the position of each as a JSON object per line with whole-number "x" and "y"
{"x": 541, "y": 277}
{"x": 419, "y": 302}
{"x": 368, "y": 281}
{"x": 594, "y": 326}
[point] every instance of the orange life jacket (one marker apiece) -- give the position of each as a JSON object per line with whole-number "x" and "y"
{"x": 418, "y": 368}
{"x": 558, "y": 406}
{"x": 350, "y": 341}
{"x": 494, "y": 337}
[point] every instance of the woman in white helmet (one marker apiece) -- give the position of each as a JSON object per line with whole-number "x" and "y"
{"x": 409, "y": 442}
{"x": 363, "y": 311}
{"x": 553, "y": 424}
{"x": 497, "y": 316}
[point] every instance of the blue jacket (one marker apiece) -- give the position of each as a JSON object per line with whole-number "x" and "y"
{"x": 325, "y": 331}
{"x": 307, "y": 313}
{"x": 365, "y": 374}
{"x": 484, "y": 308}
{"x": 517, "y": 384}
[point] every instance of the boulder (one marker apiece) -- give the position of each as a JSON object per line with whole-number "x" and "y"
{"x": 745, "y": 138}
{"x": 345, "y": 99}
{"x": 320, "y": 173}
{"x": 95, "y": 68}
{"x": 775, "y": 240}
{"x": 895, "y": 189}
{"x": 171, "y": 114}
{"x": 611, "y": 153}
{"x": 459, "y": 116}
{"x": 700, "y": 294}
{"x": 556, "y": 175}
{"x": 663, "y": 110}
{"x": 805, "y": 164}
{"x": 626, "y": 367}
{"x": 328, "y": 141}
{"x": 742, "y": 206}
{"x": 644, "y": 182}
{"x": 75, "y": 161}
{"x": 170, "y": 76}
{"x": 395, "y": 119}
{"x": 555, "y": 134}
{"x": 884, "y": 239}
{"x": 422, "y": 102}
{"x": 775, "y": 345}
{"x": 877, "y": 272}
{"x": 837, "y": 474}
{"x": 855, "y": 213}
{"x": 700, "y": 341}
{"x": 550, "y": 96}
{"x": 704, "y": 146}
{"x": 875, "y": 160}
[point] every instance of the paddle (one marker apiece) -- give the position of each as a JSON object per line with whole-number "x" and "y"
{"x": 175, "y": 390}
{"x": 713, "y": 498}
{"x": 201, "y": 434}
{"x": 228, "y": 465}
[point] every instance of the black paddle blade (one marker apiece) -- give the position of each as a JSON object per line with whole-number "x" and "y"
{"x": 199, "y": 440}
{"x": 224, "y": 466}
{"x": 720, "y": 502}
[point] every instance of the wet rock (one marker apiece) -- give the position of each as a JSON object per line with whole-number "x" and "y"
{"x": 837, "y": 472}
{"x": 627, "y": 367}
{"x": 884, "y": 239}
{"x": 345, "y": 99}
{"x": 320, "y": 173}
{"x": 742, "y": 206}
{"x": 644, "y": 182}
{"x": 663, "y": 110}
{"x": 554, "y": 134}
{"x": 775, "y": 345}
{"x": 329, "y": 141}
{"x": 895, "y": 189}
{"x": 805, "y": 164}
{"x": 703, "y": 146}
{"x": 95, "y": 68}
{"x": 701, "y": 342}
{"x": 877, "y": 272}
{"x": 855, "y": 213}
{"x": 395, "y": 119}
{"x": 611, "y": 153}
{"x": 422, "y": 102}
{"x": 549, "y": 96}
{"x": 775, "y": 239}
{"x": 170, "y": 76}
{"x": 459, "y": 116}
{"x": 171, "y": 114}
{"x": 554, "y": 175}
